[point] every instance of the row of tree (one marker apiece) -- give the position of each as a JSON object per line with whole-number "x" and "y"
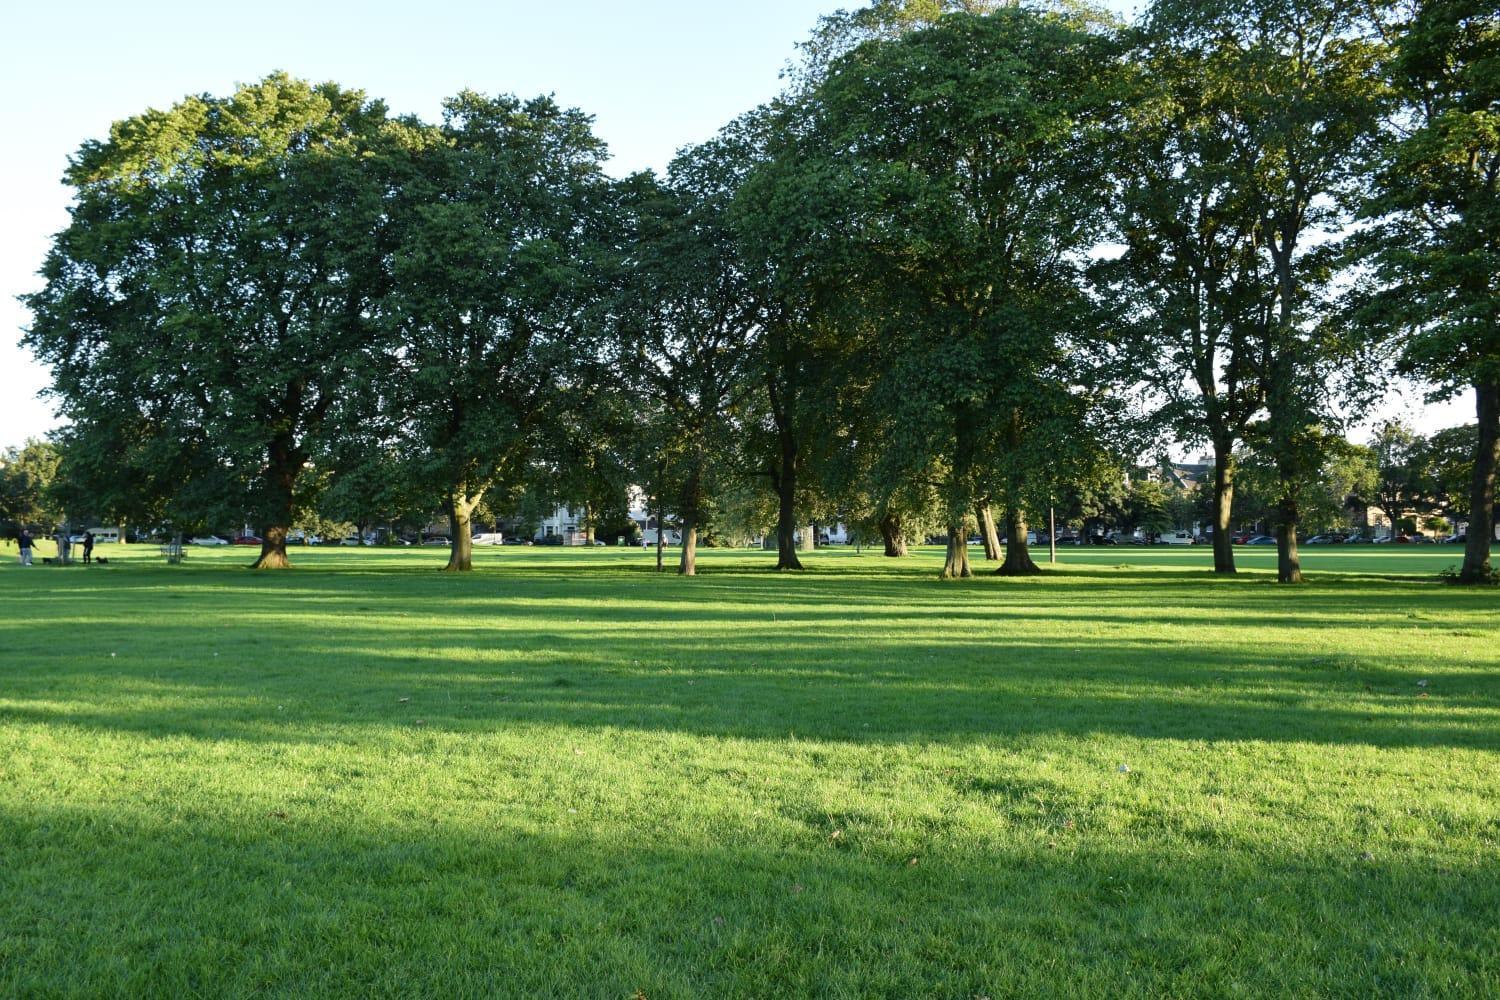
{"x": 974, "y": 255}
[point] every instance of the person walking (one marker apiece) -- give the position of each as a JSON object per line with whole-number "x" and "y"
{"x": 23, "y": 541}
{"x": 88, "y": 547}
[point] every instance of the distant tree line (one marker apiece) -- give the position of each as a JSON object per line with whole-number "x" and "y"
{"x": 974, "y": 257}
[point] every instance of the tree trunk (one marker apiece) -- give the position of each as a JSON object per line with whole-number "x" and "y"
{"x": 1288, "y": 564}
{"x": 809, "y": 538}
{"x": 895, "y": 538}
{"x": 461, "y": 552}
{"x": 988, "y": 533}
{"x": 1018, "y": 561}
{"x": 786, "y": 513}
{"x": 661, "y": 532}
{"x": 688, "y": 566}
{"x": 273, "y": 548}
{"x": 588, "y": 525}
{"x": 1476, "y": 568}
{"x": 1223, "y": 504}
{"x": 956, "y": 566}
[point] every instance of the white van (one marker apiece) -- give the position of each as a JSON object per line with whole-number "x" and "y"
{"x": 1176, "y": 538}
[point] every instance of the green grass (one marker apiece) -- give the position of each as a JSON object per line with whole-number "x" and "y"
{"x": 564, "y": 775}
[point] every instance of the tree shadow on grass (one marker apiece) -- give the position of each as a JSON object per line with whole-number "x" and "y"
{"x": 254, "y": 896}
{"x": 327, "y": 655}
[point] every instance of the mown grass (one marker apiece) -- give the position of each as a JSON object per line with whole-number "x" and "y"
{"x": 564, "y": 775}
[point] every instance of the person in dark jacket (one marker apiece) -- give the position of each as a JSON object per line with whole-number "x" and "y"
{"x": 88, "y": 547}
{"x": 23, "y": 540}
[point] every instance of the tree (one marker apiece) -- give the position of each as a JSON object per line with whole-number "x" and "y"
{"x": 1397, "y": 484}
{"x": 685, "y": 317}
{"x": 28, "y": 477}
{"x": 1307, "y": 99}
{"x": 1190, "y": 272}
{"x": 209, "y": 302}
{"x": 1434, "y": 210}
{"x": 492, "y": 295}
{"x": 961, "y": 155}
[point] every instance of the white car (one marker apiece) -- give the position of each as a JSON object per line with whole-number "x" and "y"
{"x": 207, "y": 540}
{"x": 489, "y": 538}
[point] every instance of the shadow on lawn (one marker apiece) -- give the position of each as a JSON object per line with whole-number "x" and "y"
{"x": 252, "y": 897}
{"x": 234, "y": 656}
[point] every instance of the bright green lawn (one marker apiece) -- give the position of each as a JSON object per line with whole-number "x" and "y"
{"x": 564, "y": 775}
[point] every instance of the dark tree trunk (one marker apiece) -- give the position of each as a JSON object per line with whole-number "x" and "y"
{"x": 1018, "y": 561}
{"x": 786, "y": 512}
{"x": 895, "y": 538}
{"x": 1288, "y": 563}
{"x": 956, "y": 566}
{"x": 661, "y": 532}
{"x": 988, "y": 533}
{"x": 1223, "y": 506}
{"x": 273, "y": 548}
{"x": 281, "y": 479}
{"x": 461, "y": 552}
{"x": 1477, "y": 568}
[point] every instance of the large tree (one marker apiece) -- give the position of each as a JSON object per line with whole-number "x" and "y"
{"x": 1190, "y": 274}
{"x": 970, "y": 199}
{"x": 686, "y": 313}
{"x": 1434, "y": 246}
{"x": 493, "y": 297}
{"x": 1306, "y": 97}
{"x": 209, "y": 302}
{"x": 28, "y": 479}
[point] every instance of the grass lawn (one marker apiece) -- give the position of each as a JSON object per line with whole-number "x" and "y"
{"x": 565, "y": 775}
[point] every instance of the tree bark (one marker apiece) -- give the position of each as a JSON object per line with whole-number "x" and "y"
{"x": 1223, "y": 506}
{"x": 956, "y": 566}
{"x": 895, "y": 538}
{"x": 461, "y": 551}
{"x": 1018, "y": 561}
{"x": 1288, "y": 564}
{"x": 661, "y": 532}
{"x": 988, "y": 533}
{"x": 786, "y": 513}
{"x": 809, "y": 538}
{"x": 688, "y": 565}
{"x": 1476, "y": 567}
{"x": 281, "y": 478}
{"x": 273, "y": 548}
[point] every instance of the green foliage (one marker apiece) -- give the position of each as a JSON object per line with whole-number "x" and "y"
{"x": 208, "y": 306}
{"x": 494, "y": 273}
{"x": 28, "y": 487}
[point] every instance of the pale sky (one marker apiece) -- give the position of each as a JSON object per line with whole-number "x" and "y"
{"x": 657, "y": 74}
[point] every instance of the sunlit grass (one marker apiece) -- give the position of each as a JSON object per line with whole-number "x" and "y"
{"x": 565, "y": 775}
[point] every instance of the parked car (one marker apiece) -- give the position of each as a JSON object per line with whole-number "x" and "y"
{"x": 246, "y": 540}
{"x": 1261, "y": 540}
{"x": 437, "y": 540}
{"x": 1421, "y": 540}
{"x": 1462, "y": 538}
{"x": 1176, "y": 538}
{"x": 1331, "y": 538}
{"x": 207, "y": 540}
{"x": 489, "y": 538}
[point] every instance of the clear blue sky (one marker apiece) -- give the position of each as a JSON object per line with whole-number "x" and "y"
{"x": 657, "y": 74}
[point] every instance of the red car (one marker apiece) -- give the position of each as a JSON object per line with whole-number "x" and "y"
{"x": 246, "y": 540}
